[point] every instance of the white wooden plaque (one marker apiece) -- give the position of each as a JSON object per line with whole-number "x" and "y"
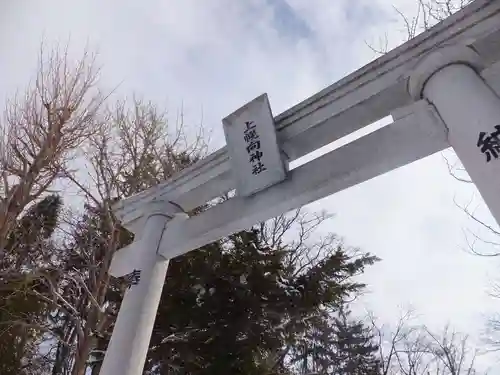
{"x": 256, "y": 160}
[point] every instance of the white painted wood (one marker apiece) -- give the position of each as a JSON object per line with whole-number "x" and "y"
{"x": 492, "y": 77}
{"x": 125, "y": 260}
{"x": 129, "y": 343}
{"x": 442, "y": 57}
{"x": 254, "y": 156}
{"x": 127, "y": 349}
{"x": 469, "y": 107}
{"x": 357, "y": 100}
{"x": 414, "y": 136}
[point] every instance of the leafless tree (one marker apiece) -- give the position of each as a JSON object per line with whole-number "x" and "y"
{"x": 427, "y": 13}
{"x": 43, "y": 128}
{"x": 411, "y": 349}
{"x": 298, "y": 233}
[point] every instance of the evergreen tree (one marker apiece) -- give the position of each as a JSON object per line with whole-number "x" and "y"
{"x": 336, "y": 344}
{"x": 356, "y": 350}
{"x": 236, "y": 306}
{"x": 28, "y": 252}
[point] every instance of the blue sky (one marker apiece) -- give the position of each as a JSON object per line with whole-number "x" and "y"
{"x": 212, "y": 57}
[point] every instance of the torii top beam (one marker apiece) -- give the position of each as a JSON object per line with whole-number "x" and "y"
{"x": 357, "y": 100}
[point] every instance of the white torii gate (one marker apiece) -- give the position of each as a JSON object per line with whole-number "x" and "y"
{"x": 442, "y": 89}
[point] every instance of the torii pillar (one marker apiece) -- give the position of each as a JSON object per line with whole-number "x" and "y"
{"x": 128, "y": 347}
{"x": 449, "y": 79}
